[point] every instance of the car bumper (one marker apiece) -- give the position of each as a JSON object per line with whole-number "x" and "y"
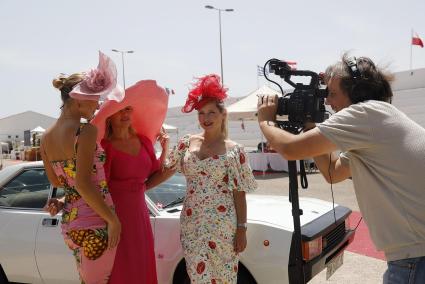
{"x": 331, "y": 226}
{"x": 315, "y": 266}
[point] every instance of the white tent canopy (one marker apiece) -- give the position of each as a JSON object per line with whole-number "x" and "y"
{"x": 170, "y": 128}
{"x": 38, "y": 129}
{"x": 246, "y": 108}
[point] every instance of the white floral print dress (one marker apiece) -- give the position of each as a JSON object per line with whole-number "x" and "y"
{"x": 208, "y": 219}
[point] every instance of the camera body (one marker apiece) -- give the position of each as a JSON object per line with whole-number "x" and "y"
{"x": 303, "y": 106}
{"x": 307, "y": 102}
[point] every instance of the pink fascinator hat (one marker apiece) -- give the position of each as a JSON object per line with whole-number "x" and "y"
{"x": 99, "y": 83}
{"x": 149, "y": 102}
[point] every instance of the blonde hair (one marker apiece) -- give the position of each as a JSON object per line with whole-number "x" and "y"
{"x": 109, "y": 130}
{"x": 66, "y": 83}
{"x": 224, "y": 125}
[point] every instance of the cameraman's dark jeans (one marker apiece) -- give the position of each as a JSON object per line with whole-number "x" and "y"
{"x": 406, "y": 271}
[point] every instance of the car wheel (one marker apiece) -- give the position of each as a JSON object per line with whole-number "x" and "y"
{"x": 3, "y": 277}
{"x": 244, "y": 277}
{"x": 184, "y": 280}
{"x": 181, "y": 277}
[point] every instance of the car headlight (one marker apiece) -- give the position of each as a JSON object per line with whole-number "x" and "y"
{"x": 311, "y": 249}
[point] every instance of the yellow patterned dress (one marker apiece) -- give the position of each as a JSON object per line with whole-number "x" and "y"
{"x": 84, "y": 231}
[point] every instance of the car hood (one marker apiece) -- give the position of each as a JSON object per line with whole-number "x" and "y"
{"x": 277, "y": 210}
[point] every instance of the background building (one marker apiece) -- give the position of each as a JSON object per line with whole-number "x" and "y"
{"x": 12, "y": 127}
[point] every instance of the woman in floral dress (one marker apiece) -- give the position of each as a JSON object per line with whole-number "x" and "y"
{"x": 74, "y": 161}
{"x": 213, "y": 218}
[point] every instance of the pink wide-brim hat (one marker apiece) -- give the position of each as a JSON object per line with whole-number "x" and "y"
{"x": 149, "y": 102}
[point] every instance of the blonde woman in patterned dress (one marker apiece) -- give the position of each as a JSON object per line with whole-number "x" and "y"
{"x": 74, "y": 161}
{"x": 213, "y": 219}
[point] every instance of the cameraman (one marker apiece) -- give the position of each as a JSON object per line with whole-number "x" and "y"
{"x": 382, "y": 150}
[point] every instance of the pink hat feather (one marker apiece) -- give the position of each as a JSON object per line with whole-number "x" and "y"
{"x": 99, "y": 83}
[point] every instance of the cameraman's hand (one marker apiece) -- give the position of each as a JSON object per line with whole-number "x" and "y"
{"x": 308, "y": 126}
{"x": 267, "y": 107}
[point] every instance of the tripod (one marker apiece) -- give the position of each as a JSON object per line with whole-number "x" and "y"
{"x": 296, "y": 267}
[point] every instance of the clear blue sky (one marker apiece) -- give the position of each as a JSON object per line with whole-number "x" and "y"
{"x": 175, "y": 41}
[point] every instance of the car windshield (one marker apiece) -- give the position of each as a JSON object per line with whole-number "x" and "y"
{"x": 7, "y": 173}
{"x": 170, "y": 192}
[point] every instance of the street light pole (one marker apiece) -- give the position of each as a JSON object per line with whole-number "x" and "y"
{"x": 221, "y": 49}
{"x": 122, "y": 61}
{"x": 219, "y": 28}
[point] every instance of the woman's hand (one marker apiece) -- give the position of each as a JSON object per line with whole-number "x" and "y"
{"x": 53, "y": 206}
{"x": 163, "y": 139}
{"x": 114, "y": 232}
{"x": 240, "y": 240}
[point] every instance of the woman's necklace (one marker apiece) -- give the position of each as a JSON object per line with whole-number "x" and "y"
{"x": 210, "y": 145}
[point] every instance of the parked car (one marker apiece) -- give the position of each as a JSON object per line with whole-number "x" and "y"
{"x": 32, "y": 249}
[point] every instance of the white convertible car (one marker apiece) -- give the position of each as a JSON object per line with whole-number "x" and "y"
{"x": 32, "y": 249}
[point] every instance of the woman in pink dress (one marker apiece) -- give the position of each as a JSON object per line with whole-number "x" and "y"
{"x": 74, "y": 161}
{"x": 130, "y": 161}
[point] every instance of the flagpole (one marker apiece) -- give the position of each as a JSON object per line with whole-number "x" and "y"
{"x": 258, "y": 85}
{"x": 411, "y": 50}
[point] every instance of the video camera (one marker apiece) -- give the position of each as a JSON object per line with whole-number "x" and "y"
{"x": 306, "y": 103}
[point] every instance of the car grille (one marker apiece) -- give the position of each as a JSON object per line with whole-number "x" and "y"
{"x": 334, "y": 237}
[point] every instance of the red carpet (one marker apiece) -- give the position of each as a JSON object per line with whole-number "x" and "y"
{"x": 362, "y": 243}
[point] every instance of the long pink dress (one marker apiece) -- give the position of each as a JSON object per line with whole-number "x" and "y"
{"x": 126, "y": 175}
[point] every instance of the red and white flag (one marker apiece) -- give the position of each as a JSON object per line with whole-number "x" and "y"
{"x": 416, "y": 40}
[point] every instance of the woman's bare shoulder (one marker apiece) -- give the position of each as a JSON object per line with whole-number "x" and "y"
{"x": 88, "y": 133}
{"x": 196, "y": 136}
{"x": 231, "y": 144}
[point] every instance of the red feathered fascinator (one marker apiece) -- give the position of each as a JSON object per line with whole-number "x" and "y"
{"x": 207, "y": 89}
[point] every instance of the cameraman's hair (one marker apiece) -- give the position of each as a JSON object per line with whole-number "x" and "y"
{"x": 372, "y": 84}
{"x": 66, "y": 83}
